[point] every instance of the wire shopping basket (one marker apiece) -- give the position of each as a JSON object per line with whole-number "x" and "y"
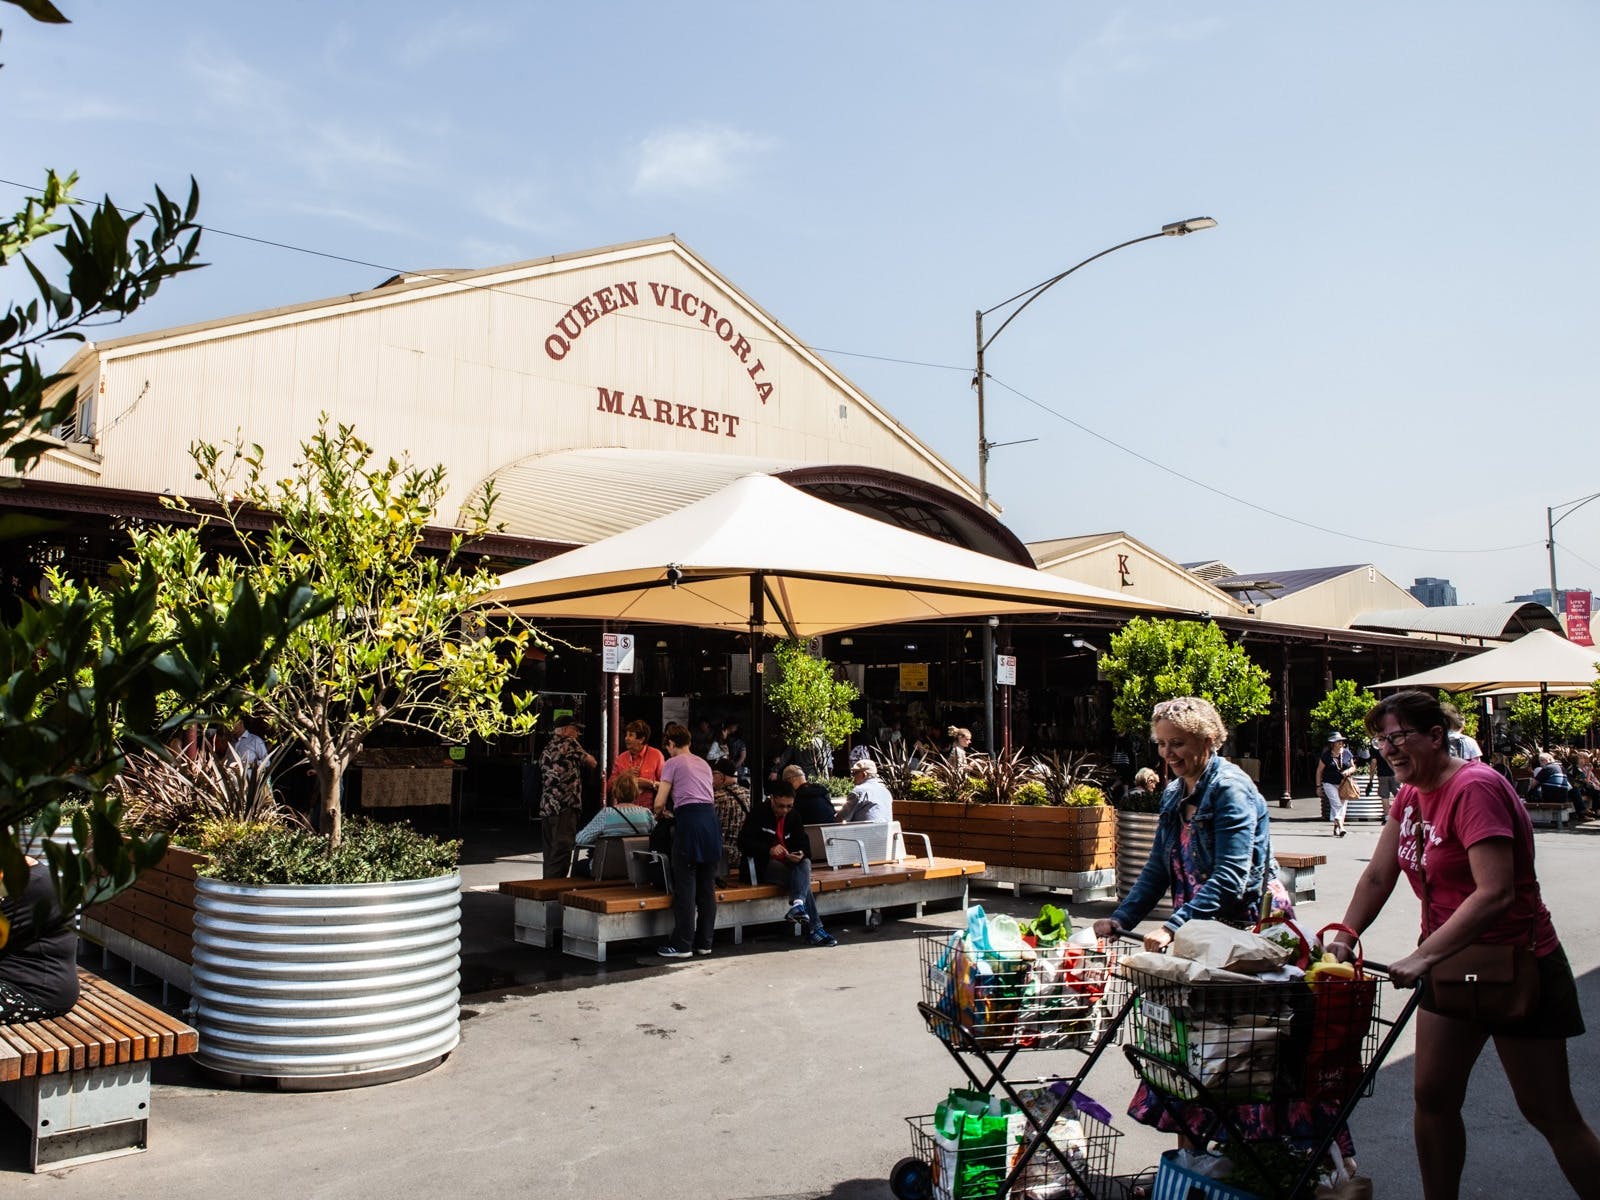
{"x": 1052, "y": 997}
{"x": 1255, "y": 1041}
{"x": 965, "y": 1171}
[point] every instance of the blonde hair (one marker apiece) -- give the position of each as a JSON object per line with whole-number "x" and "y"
{"x": 1192, "y": 714}
{"x": 955, "y": 731}
{"x": 1145, "y": 775}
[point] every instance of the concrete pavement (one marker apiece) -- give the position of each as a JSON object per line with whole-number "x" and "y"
{"x": 770, "y": 1070}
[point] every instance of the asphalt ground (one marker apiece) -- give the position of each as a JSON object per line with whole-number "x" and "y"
{"x": 770, "y": 1070}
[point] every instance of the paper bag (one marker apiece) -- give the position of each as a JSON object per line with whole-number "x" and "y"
{"x": 1213, "y": 944}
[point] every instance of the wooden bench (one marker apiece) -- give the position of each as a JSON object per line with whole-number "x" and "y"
{"x": 536, "y": 919}
{"x": 593, "y": 916}
{"x": 1548, "y": 813}
{"x": 1298, "y": 874}
{"x": 81, "y": 1082}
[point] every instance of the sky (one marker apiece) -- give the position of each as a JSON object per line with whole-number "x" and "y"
{"x": 1384, "y": 352}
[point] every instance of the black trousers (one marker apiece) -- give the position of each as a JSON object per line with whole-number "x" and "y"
{"x": 694, "y": 902}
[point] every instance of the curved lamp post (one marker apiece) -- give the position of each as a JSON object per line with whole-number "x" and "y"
{"x": 1550, "y": 523}
{"x": 1027, "y": 297}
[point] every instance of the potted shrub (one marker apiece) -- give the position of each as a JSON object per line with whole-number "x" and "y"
{"x": 1137, "y": 816}
{"x": 308, "y": 920}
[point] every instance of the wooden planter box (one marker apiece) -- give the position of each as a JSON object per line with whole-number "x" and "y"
{"x": 1069, "y": 848}
{"x": 151, "y": 924}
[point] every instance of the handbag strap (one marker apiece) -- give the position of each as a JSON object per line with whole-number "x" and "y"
{"x": 1427, "y": 904}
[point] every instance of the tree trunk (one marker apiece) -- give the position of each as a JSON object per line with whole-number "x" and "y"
{"x": 330, "y": 777}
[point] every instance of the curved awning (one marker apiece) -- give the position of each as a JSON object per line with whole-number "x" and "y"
{"x": 578, "y": 497}
{"x": 1500, "y": 622}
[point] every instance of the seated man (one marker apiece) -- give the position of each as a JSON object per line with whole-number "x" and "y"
{"x": 812, "y": 803}
{"x": 776, "y": 839}
{"x": 869, "y": 799}
{"x": 733, "y": 806}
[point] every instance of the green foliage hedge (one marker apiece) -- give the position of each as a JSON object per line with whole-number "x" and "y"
{"x": 369, "y": 852}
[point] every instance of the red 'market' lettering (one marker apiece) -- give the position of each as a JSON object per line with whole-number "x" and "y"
{"x": 663, "y": 412}
{"x": 686, "y": 416}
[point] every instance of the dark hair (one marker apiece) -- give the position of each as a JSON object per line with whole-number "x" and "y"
{"x": 1413, "y": 708}
{"x": 639, "y": 729}
{"x": 676, "y": 735}
{"x": 722, "y": 766}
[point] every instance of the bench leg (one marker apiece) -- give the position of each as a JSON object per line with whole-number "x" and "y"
{"x": 82, "y": 1116}
{"x": 594, "y": 951}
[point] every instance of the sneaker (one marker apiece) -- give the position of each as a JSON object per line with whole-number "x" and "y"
{"x": 673, "y": 952}
{"x": 825, "y": 939}
{"x": 703, "y": 952}
{"x": 796, "y": 913}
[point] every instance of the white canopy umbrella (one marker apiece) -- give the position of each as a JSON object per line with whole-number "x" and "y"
{"x": 761, "y": 554}
{"x": 762, "y": 557}
{"x": 1535, "y": 660}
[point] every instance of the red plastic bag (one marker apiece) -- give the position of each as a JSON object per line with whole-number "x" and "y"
{"x": 1341, "y": 1022}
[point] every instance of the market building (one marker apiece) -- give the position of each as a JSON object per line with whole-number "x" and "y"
{"x": 595, "y": 391}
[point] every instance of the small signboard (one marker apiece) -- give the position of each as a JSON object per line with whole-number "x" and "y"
{"x": 1005, "y": 670}
{"x": 913, "y": 677}
{"x": 1578, "y": 604}
{"x": 617, "y": 653}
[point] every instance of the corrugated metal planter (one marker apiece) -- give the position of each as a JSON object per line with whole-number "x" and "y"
{"x": 327, "y": 986}
{"x": 1136, "y": 837}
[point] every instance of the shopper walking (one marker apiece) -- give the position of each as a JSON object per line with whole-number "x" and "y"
{"x": 696, "y": 845}
{"x": 1336, "y": 765}
{"x": 1463, "y": 840}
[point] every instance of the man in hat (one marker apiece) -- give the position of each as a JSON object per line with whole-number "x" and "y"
{"x": 869, "y": 799}
{"x": 562, "y": 765}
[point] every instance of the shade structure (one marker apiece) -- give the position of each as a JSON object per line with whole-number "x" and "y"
{"x": 1538, "y": 659}
{"x": 762, "y": 554}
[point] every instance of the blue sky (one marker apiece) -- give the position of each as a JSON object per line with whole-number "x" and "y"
{"x": 1390, "y": 334}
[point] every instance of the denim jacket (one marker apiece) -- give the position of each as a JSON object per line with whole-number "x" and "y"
{"x": 1230, "y": 841}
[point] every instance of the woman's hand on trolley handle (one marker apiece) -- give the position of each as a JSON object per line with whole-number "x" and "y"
{"x": 1157, "y": 940}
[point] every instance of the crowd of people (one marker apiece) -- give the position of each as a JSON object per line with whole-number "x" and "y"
{"x": 697, "y": 811}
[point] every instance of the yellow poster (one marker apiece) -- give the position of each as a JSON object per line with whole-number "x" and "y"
{"x": 913, "y": 677}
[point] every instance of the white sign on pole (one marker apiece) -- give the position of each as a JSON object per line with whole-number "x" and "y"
{"x": 617, "y": 651}
{"x": 1005, "y": 673}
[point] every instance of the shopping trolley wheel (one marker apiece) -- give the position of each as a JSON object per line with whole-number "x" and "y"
{"x": 911, "y": 1179}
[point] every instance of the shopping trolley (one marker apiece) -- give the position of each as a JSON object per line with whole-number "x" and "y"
{"x": 1248, "y": 1065}
{"x": 986, "y": 1008}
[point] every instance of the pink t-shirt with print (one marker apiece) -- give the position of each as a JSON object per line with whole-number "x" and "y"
{"x": 1474, "y": 804}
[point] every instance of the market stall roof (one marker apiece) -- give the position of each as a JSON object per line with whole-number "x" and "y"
{"x": 1498, "y": 621}
{"x": 760, "y": 553}
{"x": 1541, "y": 657}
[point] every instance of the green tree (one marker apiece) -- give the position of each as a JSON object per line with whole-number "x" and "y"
{"x": 85, "y": 671}
{"x": 1151, "y": 660}
{"x": 401, "y": 644}
{"x": 812, "y": 706}
{"x": 1344, "y": 710}
{"x": 1467, "y": 705}
{"x": 1571, "y": 717}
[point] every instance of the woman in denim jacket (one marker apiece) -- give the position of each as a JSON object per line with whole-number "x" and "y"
{"x": 1212, "y": 846}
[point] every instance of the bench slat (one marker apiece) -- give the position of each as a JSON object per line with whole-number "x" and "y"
{"x": 130, "y": 1041}
{"x": 10, "y": 1062}
{"x": 172, "y": 1032}
{"x": 85, "y": 1038}
{"x": 38, "y": 1058}
{"x": 150, "y": 1026}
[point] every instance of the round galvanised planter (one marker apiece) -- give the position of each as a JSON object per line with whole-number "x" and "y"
{"x": 1136, "y": 837}
{"x": 314, "y": 986}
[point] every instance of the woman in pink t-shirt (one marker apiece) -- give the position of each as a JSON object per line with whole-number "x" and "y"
{"x": 1462, "y": 825}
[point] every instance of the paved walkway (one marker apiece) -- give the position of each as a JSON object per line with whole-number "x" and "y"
{"x": 767, "y": 1071}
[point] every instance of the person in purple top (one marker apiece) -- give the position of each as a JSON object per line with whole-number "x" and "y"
{"x": 696, "y": 845}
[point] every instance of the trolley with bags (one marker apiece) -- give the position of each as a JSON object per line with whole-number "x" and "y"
{"x": 1259, "y": 1069}
{"x": 992, "y": 991}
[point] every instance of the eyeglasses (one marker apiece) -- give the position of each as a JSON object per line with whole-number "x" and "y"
{"x": 1391, "y": 740}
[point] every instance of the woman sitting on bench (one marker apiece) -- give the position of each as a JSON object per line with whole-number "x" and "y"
{"x": 38, "y": 960}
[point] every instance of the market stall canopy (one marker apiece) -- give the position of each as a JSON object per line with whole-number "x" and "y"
{"x": 1540, "y": 658}
{"x": 761, "y": 552}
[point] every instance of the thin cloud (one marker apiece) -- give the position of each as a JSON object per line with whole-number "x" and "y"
{"x": 450, "y": 35}
{"x": 695, "y": 160}
{"x": 1127, "y": 44}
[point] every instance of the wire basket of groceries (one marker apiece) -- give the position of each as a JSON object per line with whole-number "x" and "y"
{"x": 1241, "y": 1015}
{"x": 1002, "y": 984}
{"x": 973, "y": 1141}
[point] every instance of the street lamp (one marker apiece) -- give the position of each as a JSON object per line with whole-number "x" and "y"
{"x": 1028, "y": 296}
{"x": 1550, "y": 523}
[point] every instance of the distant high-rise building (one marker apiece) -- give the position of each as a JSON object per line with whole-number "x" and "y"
{"x": 1435, "y": 593}
{"x": 1542, "y": 596}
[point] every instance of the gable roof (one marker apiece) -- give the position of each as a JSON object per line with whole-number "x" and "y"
{"x": 1263, "y": 587}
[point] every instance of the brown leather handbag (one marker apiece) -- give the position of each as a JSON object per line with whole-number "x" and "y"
{"x": 1488, "y": 982}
